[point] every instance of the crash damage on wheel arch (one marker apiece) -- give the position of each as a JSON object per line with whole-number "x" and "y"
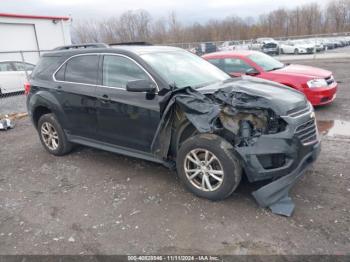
{"x": 238, "y": 116}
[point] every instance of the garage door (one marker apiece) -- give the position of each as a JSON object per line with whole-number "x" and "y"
{"x": 18, "y": 37}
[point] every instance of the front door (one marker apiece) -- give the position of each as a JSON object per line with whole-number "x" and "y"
{"x": 126, "y": 119}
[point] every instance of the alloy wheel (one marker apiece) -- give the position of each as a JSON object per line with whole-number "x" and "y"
{"x": 203, "y": 170}
{"x": 49, "y": 136}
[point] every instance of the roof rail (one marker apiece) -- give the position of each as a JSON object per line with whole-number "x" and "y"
{"x": 89, "y": 45}
{"x": 131, "y": 43}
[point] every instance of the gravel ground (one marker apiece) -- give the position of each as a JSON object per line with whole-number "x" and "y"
{"x": 13, "y": 103}
{"x": 96, "y": 202}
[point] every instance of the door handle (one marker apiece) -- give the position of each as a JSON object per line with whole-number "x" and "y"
{"x": 105, "y": 99}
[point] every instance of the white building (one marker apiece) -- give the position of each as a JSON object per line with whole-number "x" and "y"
{"x": 31, "y": 33}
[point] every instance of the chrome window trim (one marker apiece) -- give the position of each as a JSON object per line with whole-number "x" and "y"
{"x": 99, "y": 54}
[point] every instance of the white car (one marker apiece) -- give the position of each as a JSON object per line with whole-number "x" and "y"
{"x": 296, "y": 47}
{"x": 228, "y": 46}
{"x": 13, "y": 74}
{"x": 266, "y": 45}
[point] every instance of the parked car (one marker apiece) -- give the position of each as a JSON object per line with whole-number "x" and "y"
{"x": 167, "y": 105}
{"x": 296, "y": 47}
{"x": 318, "y": 45}
{"x": 318, "y": 85}
{"x": 13, "y": 76}
{"x": 228, "y": 45}
{"x": 266, "y": 45}
{"x": 326, "y": 43}
{"x": 206, "y": 48}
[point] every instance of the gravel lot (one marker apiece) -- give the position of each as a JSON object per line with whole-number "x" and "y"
{"x": 95, "y": 202}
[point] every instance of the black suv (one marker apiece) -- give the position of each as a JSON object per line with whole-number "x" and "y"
{"x": 166, "y": 105}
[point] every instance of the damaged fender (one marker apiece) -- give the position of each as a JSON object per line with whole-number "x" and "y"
{"x": 251, "y": 123}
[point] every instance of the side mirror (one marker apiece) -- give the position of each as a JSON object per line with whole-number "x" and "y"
{"x": 142, "y": 85}
{"x": 252, "y": 72}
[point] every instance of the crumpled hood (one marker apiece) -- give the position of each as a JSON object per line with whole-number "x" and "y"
{"x": 275, "y": 96}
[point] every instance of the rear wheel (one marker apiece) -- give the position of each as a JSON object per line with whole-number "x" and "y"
{"x": 296, "y": 51}
{"x": 52, "y": 135}
{"x": 208, "y": 166}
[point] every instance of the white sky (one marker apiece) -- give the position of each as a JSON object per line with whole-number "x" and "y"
{"x": 187, "y": 10}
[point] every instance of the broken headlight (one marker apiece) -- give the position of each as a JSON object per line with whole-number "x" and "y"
{"x": 275, "y": 124}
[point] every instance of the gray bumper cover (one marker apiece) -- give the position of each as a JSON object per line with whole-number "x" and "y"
{"x": 275, "y": 194}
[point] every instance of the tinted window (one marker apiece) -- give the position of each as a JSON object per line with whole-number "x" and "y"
{"x": 216, "y": 62}
{"x": 82, "y": 69}
{"x": 60, "y": 74}
{"x": 5, "y": 67}
{"x": 46, "y": 66}
{"x": 231, "y": 65}
{"x": 118, "y": 70}
{"x": 19, "y": 66}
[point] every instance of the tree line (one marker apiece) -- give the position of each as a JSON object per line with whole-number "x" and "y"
{"x": 139, "y": 25}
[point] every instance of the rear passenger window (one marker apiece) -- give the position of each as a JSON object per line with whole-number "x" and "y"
{"x": 217, "y": 62}
{"x": 235, "y": 65}
{"x": 118, "y": 70}
{"x": 5, "y": 67}
{"x": 19, "y": 66}
{"x": 81, "y": 69}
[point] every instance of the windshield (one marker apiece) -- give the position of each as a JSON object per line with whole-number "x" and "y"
{"x": 181, "y": 68}
{"x": 266, "y": 62}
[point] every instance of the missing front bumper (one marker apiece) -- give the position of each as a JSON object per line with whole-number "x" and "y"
{"x": 275, "y": 194}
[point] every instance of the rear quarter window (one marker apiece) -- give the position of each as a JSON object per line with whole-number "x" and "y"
{"x": 5, "y": 66}
{"x": 46, "y": 66}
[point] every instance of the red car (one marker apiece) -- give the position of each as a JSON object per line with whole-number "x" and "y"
{"x": 317, "y": 84}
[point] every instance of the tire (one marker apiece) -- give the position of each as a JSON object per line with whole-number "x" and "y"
{"x": 62, "y": 146}
{"x": 224, "y": 161}
{"x": 296, "y": 51}
{"x": 281, "y": 51}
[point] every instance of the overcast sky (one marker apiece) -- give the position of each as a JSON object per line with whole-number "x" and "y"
{"x": 188, "y": 11}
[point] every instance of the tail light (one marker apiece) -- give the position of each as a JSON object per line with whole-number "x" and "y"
{"x": 26, "y": 88}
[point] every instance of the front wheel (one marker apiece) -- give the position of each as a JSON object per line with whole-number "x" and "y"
{"x": 208, "y": 166}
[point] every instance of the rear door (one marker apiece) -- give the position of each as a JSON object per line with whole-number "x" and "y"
{"x": 75, "y": 88}
{"x": 127, "y": 119}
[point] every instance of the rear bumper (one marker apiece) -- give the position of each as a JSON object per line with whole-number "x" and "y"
{"x": 272, "y": 50}
{"x": 322, "y": 95}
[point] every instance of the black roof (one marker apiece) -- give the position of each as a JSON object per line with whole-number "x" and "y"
{"x": 135, "y": 49}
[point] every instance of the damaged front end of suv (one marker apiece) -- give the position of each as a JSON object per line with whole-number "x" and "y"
{"x": 270, "y": 127}
{"x": 166, "y": 105}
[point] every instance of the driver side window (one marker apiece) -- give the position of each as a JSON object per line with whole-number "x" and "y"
{"x": 118, "y": 70}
